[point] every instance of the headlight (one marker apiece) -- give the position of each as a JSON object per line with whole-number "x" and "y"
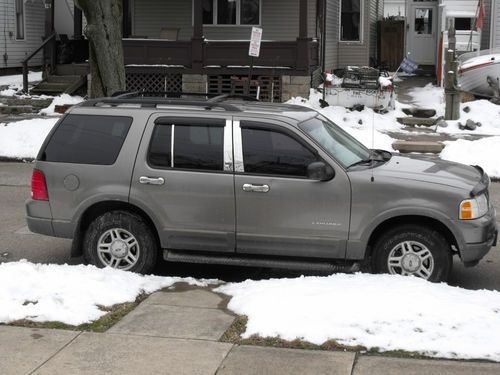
{"x": 473, "y": 208}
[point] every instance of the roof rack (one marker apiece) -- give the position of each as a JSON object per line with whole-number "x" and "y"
{"x": 150, "y": 99}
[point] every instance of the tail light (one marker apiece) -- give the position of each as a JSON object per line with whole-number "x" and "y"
{"x": 38, "y": 186}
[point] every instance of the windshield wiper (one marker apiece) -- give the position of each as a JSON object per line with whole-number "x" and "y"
{"x": 376, "y": 156}
{"x": 364, "y": 162}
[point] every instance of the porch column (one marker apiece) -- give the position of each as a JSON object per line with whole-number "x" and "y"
{"x": 77, "y": 23}
{"x": 302, "y": 40}
{"x": 197, "y": 38}
{"x": 127, "y": 19}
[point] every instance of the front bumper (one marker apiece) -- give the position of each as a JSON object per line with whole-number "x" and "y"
{"x": 479, "y": 235}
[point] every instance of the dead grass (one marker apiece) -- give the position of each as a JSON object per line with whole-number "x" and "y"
{"x": 238, "y": 327}
{"x": 114, "y": 314}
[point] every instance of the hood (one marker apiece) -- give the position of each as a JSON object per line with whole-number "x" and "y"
{"x": 431, "y": 170}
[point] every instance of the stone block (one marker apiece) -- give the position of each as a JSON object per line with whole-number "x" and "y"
{"x": 254, "y": 360}
{"x": 175, "y": 322}
{"x": 98, "y": 353}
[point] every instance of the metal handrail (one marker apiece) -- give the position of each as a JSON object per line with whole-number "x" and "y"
{"x": 50, "y": 38}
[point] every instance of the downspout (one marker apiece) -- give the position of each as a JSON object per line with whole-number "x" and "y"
{"x": 323, "y": 47}
{"x": 492, "y": 23}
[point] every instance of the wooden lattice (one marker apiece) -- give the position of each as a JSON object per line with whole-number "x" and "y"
{"x": 154, "y": 82}
{"x": 227, "y": 84}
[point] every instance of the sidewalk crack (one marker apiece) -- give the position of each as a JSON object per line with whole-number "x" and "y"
{"x": 223, "y": 360}
{"x": 56, "y": 353}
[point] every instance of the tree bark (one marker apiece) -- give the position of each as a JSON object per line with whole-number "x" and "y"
{"x": 103, "y": 30}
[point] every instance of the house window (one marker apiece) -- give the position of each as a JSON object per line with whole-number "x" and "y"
{"x": 19, "y": 19}
{"x": 350, "y": 20}
{"x": 231, "y": 12}
{"x": 423, "y": 21}
{"x": 463, "y": 23}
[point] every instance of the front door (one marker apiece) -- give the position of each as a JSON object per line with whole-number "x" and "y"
{"x": 279, "y": 211}
{"x": 184, "y": 179}
{"x": 422, "y": 32}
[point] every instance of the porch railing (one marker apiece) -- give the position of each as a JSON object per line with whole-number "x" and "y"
{"x": 279, "y": 54}
{"x": 51, "y": 43}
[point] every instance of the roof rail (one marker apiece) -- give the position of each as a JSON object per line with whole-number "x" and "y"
{"x": 220, "y": 98}
{"x": 152, "y": 102}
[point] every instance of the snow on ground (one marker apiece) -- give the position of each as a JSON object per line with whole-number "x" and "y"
{"x": 15, "y": 82}
{"x": 70, "y": 294}
{"x": 375, "y": 311}
{"x": 63, "y": 99}
{"x": 482, "y": 111}
{"x": 483, "y": 152}
{"x": 23, "y": 139}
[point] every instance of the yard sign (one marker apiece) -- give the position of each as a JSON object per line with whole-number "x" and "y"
{"x": 255, "y": 39}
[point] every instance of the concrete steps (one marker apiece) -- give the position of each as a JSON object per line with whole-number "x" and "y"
{"x": 418, "y": 146}
{"x": 67, "y": 78}
{"x": 55, "y": 85}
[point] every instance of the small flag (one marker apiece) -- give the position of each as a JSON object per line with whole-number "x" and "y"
{"x": 480, "y": 15}
{"x": 408, "y": 66}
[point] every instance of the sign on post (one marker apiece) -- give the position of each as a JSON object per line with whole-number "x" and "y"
{"x": 255, "y": 40}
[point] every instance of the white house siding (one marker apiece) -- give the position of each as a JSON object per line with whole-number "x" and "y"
{"x": 495, "y": 24}
{"x": 485, "y": 33}
{"x": 394, "y": 8}
{"x": 64, "y": 17}
{"x": 358, "y": 53}
{"x": 280, "y": 20}
{"x": 332, "y": 34}
{"x": 17, "y": 50}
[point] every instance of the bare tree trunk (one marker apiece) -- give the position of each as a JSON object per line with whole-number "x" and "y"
{"x": 103, "y": 30}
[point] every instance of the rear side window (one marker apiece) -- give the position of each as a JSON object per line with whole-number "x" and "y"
{"x": 197, "y": 144}
{"x": 87, "y": 139}
{"x": 270, "y": 152}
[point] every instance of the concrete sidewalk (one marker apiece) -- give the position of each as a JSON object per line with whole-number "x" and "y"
{"x": 177, "y": 332}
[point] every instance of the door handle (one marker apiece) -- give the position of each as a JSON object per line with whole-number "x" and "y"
{"x": 256, "y": 188}
{"x": 151, "y": 180}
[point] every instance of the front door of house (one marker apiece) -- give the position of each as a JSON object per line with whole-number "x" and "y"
{"x": 422, "y": 32}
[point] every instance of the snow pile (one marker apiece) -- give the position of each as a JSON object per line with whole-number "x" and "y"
{"x": 14, "y": 83}
{"x": 375, "y": 311}
{"x": 23, "y": 139}
{"x": 429, "y": 96}
{"x": 483, "y": 152}
{"x": 70, "y": 294}
{"x": 63, "y": 99}
{"x": 482, "y": 111}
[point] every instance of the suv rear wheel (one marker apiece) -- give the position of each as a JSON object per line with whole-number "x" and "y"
{"x": 121, "y": 240}
{"x": 413, "y": 250}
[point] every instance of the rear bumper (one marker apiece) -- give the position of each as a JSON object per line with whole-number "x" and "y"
{"x": 39, "y": 218}
{"x": 41, "y": 226}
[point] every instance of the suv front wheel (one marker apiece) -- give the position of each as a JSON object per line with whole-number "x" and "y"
{"x": 413, "y": 250}
{"x": 122, "y": 240}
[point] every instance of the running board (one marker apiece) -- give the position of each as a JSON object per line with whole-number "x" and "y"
{"x": 184, "y": 257}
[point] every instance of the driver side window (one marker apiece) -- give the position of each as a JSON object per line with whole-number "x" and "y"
{"x": 271, "y": 152}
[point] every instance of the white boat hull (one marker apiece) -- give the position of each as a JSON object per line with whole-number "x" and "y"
{"x": 473, "y": 74}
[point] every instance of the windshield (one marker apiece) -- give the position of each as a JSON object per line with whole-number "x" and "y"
{"x": 336, "y": 142}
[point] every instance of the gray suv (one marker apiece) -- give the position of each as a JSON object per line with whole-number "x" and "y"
{"x": 246, "y": 183}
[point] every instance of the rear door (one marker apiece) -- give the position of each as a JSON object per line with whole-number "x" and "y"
{"x": 279, "y": 211}
{"x": 184, "y": 177}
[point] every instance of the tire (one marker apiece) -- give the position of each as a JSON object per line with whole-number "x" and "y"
{"x": 413, "y": 250}
{"x": 121, "y": 240}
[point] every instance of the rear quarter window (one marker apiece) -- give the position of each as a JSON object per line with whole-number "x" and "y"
{"x": 87, "y": 139}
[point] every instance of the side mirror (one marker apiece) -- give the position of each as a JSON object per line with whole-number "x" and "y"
{"x": 320, "y": 171}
